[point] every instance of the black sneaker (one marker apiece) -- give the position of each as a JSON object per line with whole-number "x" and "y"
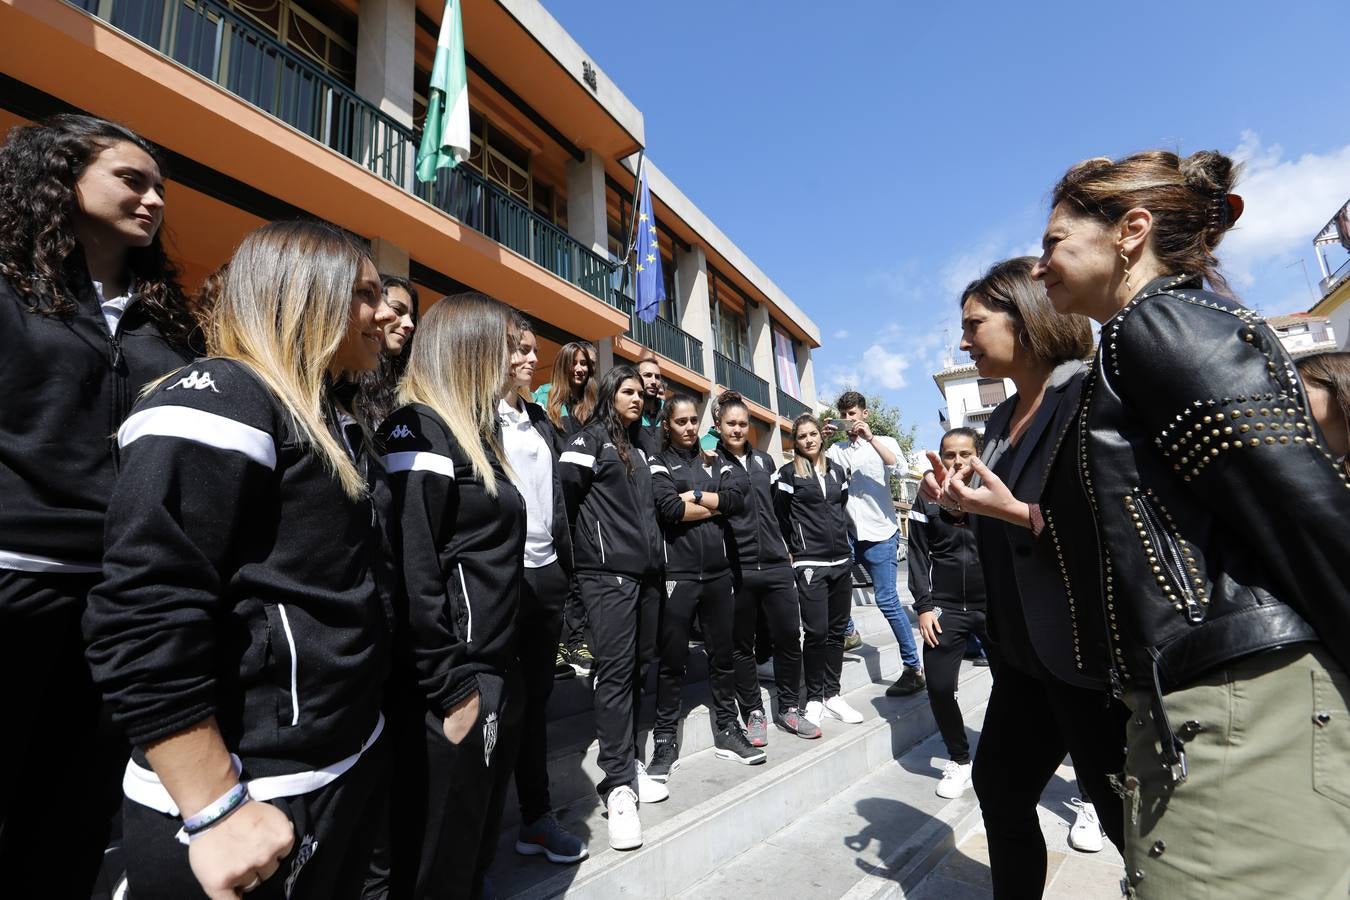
{"x": 665, "y": 760}
{"x": 981, "y": 661}
{"x": 911, "y": 681}
{"x": 562, "y": 669}
{"x": 731, "y": 743}
{"x": 581, "y": 659}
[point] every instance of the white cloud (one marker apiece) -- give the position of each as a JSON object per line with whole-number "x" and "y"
{"x": 1287, "y": 201}
{"x": 884, "y": 367}
{"x": 841, "y": 334}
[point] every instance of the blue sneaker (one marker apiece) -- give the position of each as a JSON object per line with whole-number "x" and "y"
{"x": 547, "y": 836}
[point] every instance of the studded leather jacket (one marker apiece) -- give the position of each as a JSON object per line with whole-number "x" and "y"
{"x": 1193, "y": 496}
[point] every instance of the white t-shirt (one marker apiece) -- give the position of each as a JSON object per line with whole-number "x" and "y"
{"x": 869, "y": 486}
{"x": 533, "y": 461}
{"x": 113, "y": 307}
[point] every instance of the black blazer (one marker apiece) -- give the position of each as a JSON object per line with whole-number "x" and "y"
{"x": 1058, "y": 636}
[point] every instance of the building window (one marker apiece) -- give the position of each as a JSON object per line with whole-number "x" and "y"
{"x": 322, "y": 32}
{"x": 992, "y": 392}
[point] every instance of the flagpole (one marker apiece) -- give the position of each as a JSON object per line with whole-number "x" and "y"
{"x": 631, "y": 238}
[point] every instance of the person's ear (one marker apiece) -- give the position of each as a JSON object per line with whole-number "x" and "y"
{"x": 1136, "y": 227}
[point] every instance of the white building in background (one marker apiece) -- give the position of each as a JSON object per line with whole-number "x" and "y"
{"x": 969, "y": 399}
{"x": 1304, "y": 334}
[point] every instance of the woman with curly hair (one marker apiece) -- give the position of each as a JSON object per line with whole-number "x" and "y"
{"x": 90, "y": 312}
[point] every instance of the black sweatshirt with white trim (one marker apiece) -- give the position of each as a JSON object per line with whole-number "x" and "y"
{"x": 610, "y": 507}
{"x": 812, "y": 515}
{"x": 461, "y": 554}
{"x": 756, "y": 537}
{"x": 696, "y": 551}
{"x": 67, "y": 383}
{"x": 944, "y": 559}
{"x": 237, "y": 580}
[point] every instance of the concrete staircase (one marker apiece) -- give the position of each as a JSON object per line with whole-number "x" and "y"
{"x": 833, "y": 817}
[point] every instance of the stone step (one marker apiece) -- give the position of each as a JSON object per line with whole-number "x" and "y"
{"x": 719, "y": 809}
{"x": 573, "y": 768}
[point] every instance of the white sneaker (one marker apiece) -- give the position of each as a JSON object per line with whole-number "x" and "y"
{"x": 649, "y": 790}
{"x": 1086, "y": 833}
{"x": 955, "y": 780}
{"x": 815, "y": 711}
{"x": 625, "y": 829}
{"x": 839, "y": 708}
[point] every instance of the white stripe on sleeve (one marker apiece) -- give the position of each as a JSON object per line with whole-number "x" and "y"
{"x": 201, "y": 427}
{"x": 773, "y": 479}
{"x": 419, "y": 461}
{"x": 786, "y": 488}
{"x": 578, "y": 459}
{"x": 917, "y": 516}
{"x": 656, "y": 467}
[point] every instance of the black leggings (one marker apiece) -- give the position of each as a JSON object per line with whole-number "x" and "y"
{"x": 770, "y": 595}
{"x": 1029, "y": 725}
{"x": 538, "y": 622}
{"x": 826, "y": 597}
{"x": 942, "y": 665}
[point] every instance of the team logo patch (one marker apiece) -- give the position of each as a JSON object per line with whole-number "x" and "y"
{"x": 489, "y": 737}
{"x": 194, "y": 380}
{"x": 579, "y": 442}
{"x": 807, "y": 573}
{"x": 308, "y": 847}
{"x": 401, "y": 431}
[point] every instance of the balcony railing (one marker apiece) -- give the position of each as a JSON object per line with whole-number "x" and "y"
{"x": 236, "y": 54}
{"x": 486, "y": 207}
{"x": 225, "y": 47}
{"x": 789, "y": 407}
{"x": 666, "y": 338}
{"x": 739, "y": 378}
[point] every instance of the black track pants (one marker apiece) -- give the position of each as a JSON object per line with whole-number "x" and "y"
{"x": 715, "y": 605}
{"x": 942, "y": 666}
{"x": 1029, "y": 725}
{"x": 538, "y": 622}
{"x": 771, "y": 596}
{"x": 448, "y": 799}
{"x": 335, "y": 830}
{"x": 61, "y": 757}
{"x": 825, "y": 594}
{"x": 622, "y": 613}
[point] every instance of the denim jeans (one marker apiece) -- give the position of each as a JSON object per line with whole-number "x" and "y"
{"x": 878, "y": 558}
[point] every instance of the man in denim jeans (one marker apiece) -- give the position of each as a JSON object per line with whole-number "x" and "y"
{"x": 870, "y": 460}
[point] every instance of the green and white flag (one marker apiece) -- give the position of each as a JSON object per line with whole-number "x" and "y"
{"x": 445, "y": 136}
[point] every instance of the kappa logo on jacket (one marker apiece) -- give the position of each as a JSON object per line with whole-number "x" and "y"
{"x": 401, "y": 431}
{"x": 197, "y": 381}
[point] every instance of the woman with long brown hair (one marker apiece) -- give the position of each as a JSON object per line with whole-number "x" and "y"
{"x": 569, "y": 395}
{"x": 237, "y": 633}
{"x": 1200, "y": 521}
{"x": 90, "y": 312}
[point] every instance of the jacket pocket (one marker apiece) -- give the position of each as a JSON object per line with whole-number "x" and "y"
{"x": 1169, "y": 557}
{"x": 285, "y": 664}
{"x": 1331, "y": 736}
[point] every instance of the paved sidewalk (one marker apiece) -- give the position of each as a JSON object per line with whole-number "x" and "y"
{"x": 1070, "y": 875}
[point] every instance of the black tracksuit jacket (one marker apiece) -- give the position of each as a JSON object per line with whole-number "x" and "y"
{"x": 67, "y": 384}
{"x": 756, "y": 536}
{"x": 944, "y": 560}
{"x": 611, "y": 509}
{"x": 461, "y": 555}
{"x": 237, "y": 580}
{"x": 814, "y": 524}
{"x": 696, "y": 551}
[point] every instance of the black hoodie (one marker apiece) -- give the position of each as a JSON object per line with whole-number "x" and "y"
{"x": 237, "y": 580}
{"x": 67, "y": 384}
{"x": 610, "y": 506}
{"x": 696, "y": 551}
{"x": 461, "y": 554}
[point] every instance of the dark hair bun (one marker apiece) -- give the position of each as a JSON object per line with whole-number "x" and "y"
{"x": 1209, "y": 172}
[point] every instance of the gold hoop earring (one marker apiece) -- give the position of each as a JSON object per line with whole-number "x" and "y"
{"x": 1126, "y": 260}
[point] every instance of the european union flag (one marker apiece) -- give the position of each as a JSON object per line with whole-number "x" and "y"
{"x": 651, "y": 284}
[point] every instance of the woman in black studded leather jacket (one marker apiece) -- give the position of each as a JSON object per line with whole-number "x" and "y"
{"x": 1194, "y": 504}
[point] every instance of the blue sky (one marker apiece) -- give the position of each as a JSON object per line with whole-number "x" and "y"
{"x": 874, "y": 157}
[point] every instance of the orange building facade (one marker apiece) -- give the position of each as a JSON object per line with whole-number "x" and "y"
{"x": 272, "y": 109}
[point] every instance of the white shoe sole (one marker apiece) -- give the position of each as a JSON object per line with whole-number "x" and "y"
{"x": 745, "y": 760}
{"x": 662, "y": 779}
{"x": 655, "y": 796}
{"x": 527, "y": 849}
{"x": 629, "y": 844}
{"x": 1082, "y": 849}
{"x": 948, "y": 795}
{"x": 834, "y": 715}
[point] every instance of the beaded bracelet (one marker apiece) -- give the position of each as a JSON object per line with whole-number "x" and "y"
{"x": 217, "y": 810}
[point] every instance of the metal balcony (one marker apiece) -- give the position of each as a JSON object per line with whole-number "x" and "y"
{"x": 737, "y": 377}
{"x": 789, "y": 407}
{"x": 666, "y": 338}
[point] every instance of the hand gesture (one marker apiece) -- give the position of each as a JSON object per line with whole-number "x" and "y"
{"x": 861, "y": 431}
{"x": 992, "y": 498}
{"x": 934, "y": 480}
{"x": 460, "y": 719}
{"x": 243, "y": 851}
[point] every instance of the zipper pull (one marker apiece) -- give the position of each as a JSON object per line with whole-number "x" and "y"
{"x": 1117, "y": 687}
{"x": 115, "y": 351}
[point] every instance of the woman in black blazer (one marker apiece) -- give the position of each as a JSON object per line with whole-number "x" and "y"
{"x": 1049, "y": 695}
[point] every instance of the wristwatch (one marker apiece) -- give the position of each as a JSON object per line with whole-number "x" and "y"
{"x": 698, "y": 496}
